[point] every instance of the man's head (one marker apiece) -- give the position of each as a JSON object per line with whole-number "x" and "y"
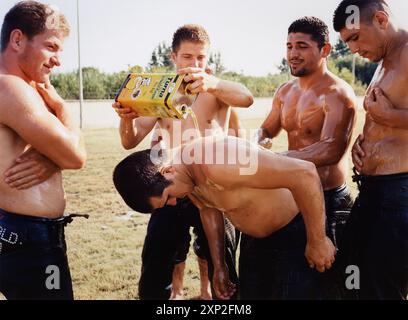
{"x": 146, "y": 185}
{"x": 363, "y": 25}
{"x": 308, "y": 46}
{"x": 34, "y": 34}
{"x": 190, "y": 47}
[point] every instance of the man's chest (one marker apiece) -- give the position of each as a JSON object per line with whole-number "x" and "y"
{"x": 303, "y": 111}
{"x": 208, "y": 115}
{"x": 393, "y": 82}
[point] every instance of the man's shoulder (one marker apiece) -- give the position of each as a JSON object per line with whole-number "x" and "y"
{"x": 8, "y": 80}
{"x": 286, "y": 87}
{"x": 12, "y": 86}
{"x": 339, "y": 88}
{"x": 16, "y": 93}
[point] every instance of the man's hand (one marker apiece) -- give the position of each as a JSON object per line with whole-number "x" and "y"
{"x": 320, "y": 254}
{"x": 378, "y": 106}
{"x": 260, "y": 139}
{"x": 200, "y": 80}
{"x": 50, "y": 96}
{"x": 30, "y": 169}
{"x": 125, "y": 113}
{"x": 358, "y": 153}
{"x": 223, "y": 287}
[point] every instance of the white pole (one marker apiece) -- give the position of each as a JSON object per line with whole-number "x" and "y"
{"x": 81, "y": 95}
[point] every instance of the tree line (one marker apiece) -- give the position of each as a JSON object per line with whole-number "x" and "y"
{"x": 100, "y": 85}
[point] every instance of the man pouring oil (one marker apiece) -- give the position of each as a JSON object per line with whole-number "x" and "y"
{"x": 167, "y": 226}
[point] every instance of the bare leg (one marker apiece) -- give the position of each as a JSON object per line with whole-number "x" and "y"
{"x": 177, "y": 292}
{"x": 205, "y": 282}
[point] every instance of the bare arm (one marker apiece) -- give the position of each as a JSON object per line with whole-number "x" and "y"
{"x": 31, "y": 168}
{"x": 272, "y": 125}
{"x": 336, "y": 133}
{"x": 230, "y": 93}
{"x": 213, "y": 223}
{"x": 301, "y": 178}
{"x": 133, "y": 129}
{"x": 57, "y": 137}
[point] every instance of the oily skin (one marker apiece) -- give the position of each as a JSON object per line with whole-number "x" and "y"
{"x": 317, "y": 110}
{"x": 290, "y": 185}
{"x": 44, "y": 138}
{"x": 381, "y": 149}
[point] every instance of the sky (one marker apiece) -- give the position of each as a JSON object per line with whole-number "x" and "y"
{"x": 250, "y": 35}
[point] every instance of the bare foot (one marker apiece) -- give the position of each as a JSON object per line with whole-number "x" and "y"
{"x": 179, "y": 295}
{"x": 206, "y": 295}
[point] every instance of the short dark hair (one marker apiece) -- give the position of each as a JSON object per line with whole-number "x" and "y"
{"x": 367, "y": 11}
{"x": 137, "y": 179}
{"x": 31, "y": 18}
{"x": 189, "y": 32}
{"x": 314, "y": 27}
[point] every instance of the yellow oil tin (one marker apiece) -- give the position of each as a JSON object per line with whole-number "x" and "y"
{"x": 156, "y": 95}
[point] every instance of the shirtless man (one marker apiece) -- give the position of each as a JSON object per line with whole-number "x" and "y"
{"x": 35, "y": 124}
{"x": 166, "y": 226}
{"x": 234, "y": 129}
{"x": 317, "y": 110}
{"x": 378, "y": 228}
{"x": 289, "y": 185}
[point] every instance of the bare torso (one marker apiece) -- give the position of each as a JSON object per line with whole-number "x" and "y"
{"x": 303, "y": 116}
{"x": 45, "y": 200}
{"x": 386, "y": 147}
{"x": 211, "y": 116}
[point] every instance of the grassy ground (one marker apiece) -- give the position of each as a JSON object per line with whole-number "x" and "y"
{"x": 105, "y": 251}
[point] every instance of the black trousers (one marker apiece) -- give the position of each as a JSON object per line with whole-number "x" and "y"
{"x": 166, "y": 231}
{"x": 275, "y": 267}
{"x": 33, "y": 260}
{"x": 376, "y": 239}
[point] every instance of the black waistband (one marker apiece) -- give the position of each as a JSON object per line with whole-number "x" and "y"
{"x": 20, "y": 217}
{"x": 20, "y": 231}
{"x": 335, "y": 190}
{"x": 66, "y": 219}
{"x": 390, "y": 177}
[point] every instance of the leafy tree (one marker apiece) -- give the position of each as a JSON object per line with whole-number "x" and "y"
{"x": 284, "y": 67}
{"x": 216, "y": 64}
{"x": 94, "y": 84}
{"x": 340, "y": 49}
{"x": 66, "y": 84}
{"x": 161, "y": 59}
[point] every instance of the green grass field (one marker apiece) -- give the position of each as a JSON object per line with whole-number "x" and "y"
{"x": 105, "y": 251}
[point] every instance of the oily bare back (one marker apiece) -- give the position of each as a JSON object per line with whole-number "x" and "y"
{"x": 386, "y": 147}
{"x": 303, "y": 116}
{"x": 45, "y": 200}
{"x": 246, "y": 208}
